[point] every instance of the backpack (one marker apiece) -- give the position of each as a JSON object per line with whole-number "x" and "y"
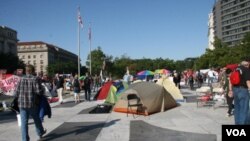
{"x": 76, "y": 83}
{"x": 190, "y": 78}
{"x": 199, "y": 76}
{"x": 86, "y": 81}
{"x": 235, "y": 77}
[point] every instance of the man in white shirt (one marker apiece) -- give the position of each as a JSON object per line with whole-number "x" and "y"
{"x": 210, "y": 76}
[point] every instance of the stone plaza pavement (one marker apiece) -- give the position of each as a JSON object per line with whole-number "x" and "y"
{"x": 72, "y": 121}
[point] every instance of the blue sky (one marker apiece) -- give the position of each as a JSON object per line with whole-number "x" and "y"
{"x": 174, "y": 29}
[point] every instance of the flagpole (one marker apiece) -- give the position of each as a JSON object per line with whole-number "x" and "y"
{"x": 78, "y": 41}
{"x": 90, "y": 56}
{"x": 78, "y": 49}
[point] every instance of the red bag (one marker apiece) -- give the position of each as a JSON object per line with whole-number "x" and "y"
{"x": 53, "y": 99}
{"x": 205, "y": 98}
{"x": 235, "y": 77}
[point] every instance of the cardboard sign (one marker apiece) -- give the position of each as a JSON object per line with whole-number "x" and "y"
{"x": 8, "y": 85}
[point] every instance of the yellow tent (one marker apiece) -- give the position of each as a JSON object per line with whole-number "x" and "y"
{"x": 170, "y": 88}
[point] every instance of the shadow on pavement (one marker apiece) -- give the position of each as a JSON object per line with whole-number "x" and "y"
{"x": 142, "y": 131}
{"x": 99, "y": 109}
{"x": 67, "y": 104}
{"x": 77, "y": 131}
{"x": 7, "y": 116}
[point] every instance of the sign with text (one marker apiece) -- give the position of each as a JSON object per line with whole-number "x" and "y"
{"x": 8, "y": 85}
{"x": 235, "y": 132}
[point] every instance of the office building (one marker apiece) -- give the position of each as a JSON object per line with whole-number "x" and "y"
{"x": 41, "y": 54}
{"x": 8, "y": 40}
{"x": 231, "y": 20}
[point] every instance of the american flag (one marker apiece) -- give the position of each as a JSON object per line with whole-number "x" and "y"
{"x": 80, "y": 18}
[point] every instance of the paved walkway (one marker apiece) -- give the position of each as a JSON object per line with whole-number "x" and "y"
{"x": 72, "y": 121}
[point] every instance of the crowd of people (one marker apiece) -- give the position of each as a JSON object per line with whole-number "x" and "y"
{"x": 237, "y": 96}
{"x": 34, "y": 91}
{"x": 31, "y": 88}
{"x": 55, "y": 87}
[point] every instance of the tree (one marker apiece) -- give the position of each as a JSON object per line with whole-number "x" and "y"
{"x": 245, "y": 47}
{"x": 10, "y": 62}
{"x": 223, "y": 54}
{"x": 61, "y": 68}
{"x": 97, "y": 58}
{"x": 218, "y": 43}
{"x": 219, "y": 57}
{"x": 120, "y": 65}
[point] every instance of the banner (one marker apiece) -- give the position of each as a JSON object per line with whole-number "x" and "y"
{"x": 8, "y": 85}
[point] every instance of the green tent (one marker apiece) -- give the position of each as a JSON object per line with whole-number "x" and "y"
{"x": 113, "y": 94}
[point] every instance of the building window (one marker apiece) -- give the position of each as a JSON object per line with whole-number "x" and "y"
{"x": 34, "y": 62}
{"x": 41, "y": 61}
{"x": 41, "y": 56}
{"x": 23, "y": 57}
{"x": 28, "y": 56}
{"x": 34, "y": 56}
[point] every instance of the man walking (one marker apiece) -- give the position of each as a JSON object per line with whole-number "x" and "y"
{"x": 241, "y": 95}
{"x": 28, "y": 92}
{"x": 59, "y": 87}
{"x": 87, "y": 88}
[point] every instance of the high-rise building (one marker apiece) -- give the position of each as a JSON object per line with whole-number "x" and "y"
{"x": 41, "y": 54}
{"x": 231, "y": 20}
{"x": 8, "y": 40}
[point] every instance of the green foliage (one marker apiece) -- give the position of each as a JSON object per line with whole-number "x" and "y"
{"x": 219, "y": 57}
{"x": 10, "y": 62}
{"x": 223, "y": 54}
{"x": 121, "y": 64}
{"x": 62, "y": 68}
{"x": 97, "y": 58}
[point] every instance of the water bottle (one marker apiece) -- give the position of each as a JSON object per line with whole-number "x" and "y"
{"x": 18, "y": 119}
{"x": 4, "y": 105}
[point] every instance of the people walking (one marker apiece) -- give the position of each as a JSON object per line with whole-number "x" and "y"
{"x": 177, "y": 80}
{"x": 59, "y": 87}
{"x": 87, "y": 87}
{"x": 210, "y": 76}
{"x": 229, "y": 96}
{"x": 29, "y": 90}
{"x": 199, "y": 78}
{"x": 241, "y": 95}
{"x": 76, "y": 89}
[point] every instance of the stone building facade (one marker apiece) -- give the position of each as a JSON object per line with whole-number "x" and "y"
{"x": 8, "y": 40}
{"x": 41, "y": 54}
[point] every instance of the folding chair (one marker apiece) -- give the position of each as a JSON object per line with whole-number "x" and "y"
{"x": 219, "y": 98}
{"x": 204, "y": 96}
{"x": 133, "y": 101}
